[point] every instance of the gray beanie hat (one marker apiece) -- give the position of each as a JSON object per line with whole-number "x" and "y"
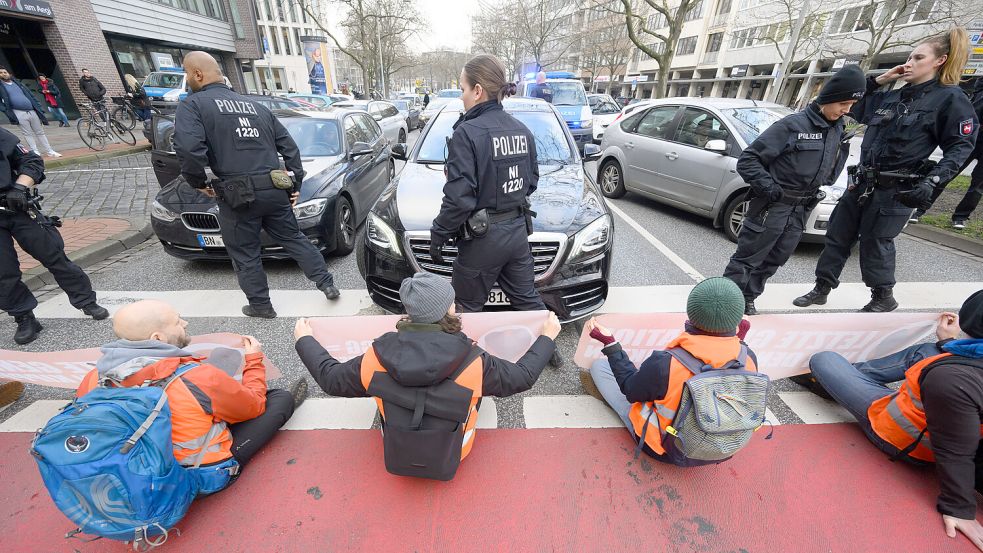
{"x": 426, "y": 297}
{"x": 715, "y": 305}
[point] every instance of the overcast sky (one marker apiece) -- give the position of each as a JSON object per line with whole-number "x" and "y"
{"x": 450, "y": 24}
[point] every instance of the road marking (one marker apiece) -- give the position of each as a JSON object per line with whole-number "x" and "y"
{"x": 333, "y": 413}
{"x": 488, "y": 414}
{"x": 568, "y": 412}
{"x": 678, "y": 261}
{"x": 97, "y": 169}
{"x": 813, "y": 409}
{"x": 34, "y": 416}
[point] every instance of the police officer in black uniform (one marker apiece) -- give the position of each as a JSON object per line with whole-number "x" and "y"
{"x": 21, "y": 220}
{"x": 239, "y": 139}
{"x": 785, "y": 167}
{"x": 904, "y": 126}
{"x": 491, "y": 170}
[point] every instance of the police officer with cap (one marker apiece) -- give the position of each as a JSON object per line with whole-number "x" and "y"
{"x": 21, "y": 220}
{"x": 904, "y": 126}
{"x": 786, "y": 166}
{"x": 239, "y": 139}
{"x": 491, "y": 170}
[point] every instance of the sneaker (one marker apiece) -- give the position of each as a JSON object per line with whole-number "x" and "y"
{"x": 915, "y": 216}
{"x": 27, "y": 329}
{"x": 816, "y": 296}
{"x": 881, "y": 301}
{"x": 53, "y": 153}
{"x": 331, "y": 292}
{"x": 749, "y": 308}
{"x": 959, "y": 224}
{"x": 96, "y": 311}
{"x": 10, "y": 391}
{"x": 250, "y": 310}
{"x": 299, "y": 391}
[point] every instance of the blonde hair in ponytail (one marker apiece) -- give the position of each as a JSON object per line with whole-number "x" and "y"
{"x": 955, "y": 44}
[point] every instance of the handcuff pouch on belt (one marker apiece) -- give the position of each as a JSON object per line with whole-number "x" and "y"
{"x": 866, "y": 179}
{"x": 237, "y": 191}
{"x": 478, "y": 223}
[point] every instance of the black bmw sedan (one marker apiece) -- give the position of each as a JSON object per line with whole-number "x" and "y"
{"x": 348, "y": 164}
{"x": 573, "y": 229}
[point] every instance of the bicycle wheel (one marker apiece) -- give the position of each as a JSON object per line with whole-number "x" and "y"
{"x": 123, "y": 133}
{"x": 91, "y": 135}
{"x": 125, "y": 116}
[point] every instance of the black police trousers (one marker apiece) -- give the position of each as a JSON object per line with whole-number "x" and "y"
{"x": 767, "y": 239}
{"x": 248, "y": 437}
{"x": 501, "y": 255}
{"x": 44, "y": 243}
{"x": 975, "y": 192}
{"x": 875, "y": 224}
{"x": 271, "y": 211}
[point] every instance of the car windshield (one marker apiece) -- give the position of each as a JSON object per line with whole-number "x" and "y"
{"x": 551, "y": 140}
{"x": 402, "y": 104}
{"x": 605, "y": 107}
{"x": 449, "y": 93}
{"x": 164, "y": 80}
{"x": 314, "y": 137}
{"x": 568, "y": 94}
{"x": 751, "y": 122}
{"x": 436, "y": 103}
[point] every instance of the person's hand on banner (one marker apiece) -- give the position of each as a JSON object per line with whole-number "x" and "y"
{"x": 251, "y": 344}
{"x": 970, "y": 528}
{"x": 551, "y": 328}
{"x": 948, "y": 326}
{"x": 599, "y": 333}
{"x": 302, "y": 328}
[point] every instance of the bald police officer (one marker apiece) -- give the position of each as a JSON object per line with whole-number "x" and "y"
{"x": 239, "y": 139}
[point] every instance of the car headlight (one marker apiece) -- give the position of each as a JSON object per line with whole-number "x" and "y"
{"x": 381, "y": 237}
{"x": 309, "y": 209}
{"x": 833, "y": 194}
{"x": 591, "y": 240}
{"x": 159, "y": 212}
{"x": 587, "y": 123}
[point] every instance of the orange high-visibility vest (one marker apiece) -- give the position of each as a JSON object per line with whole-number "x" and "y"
{"x": 470, "y": 377}
{"x": 899, "y": 419}
{"x": 716, "y": 351}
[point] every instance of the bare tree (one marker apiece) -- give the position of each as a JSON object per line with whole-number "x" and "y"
{"x": 495, "y": 31}
{"x": 544, "y": 27}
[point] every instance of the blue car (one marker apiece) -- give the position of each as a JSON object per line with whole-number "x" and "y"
{"x": 566, "y": 92}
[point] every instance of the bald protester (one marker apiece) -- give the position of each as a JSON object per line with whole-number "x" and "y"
{"x": 219, "y": 423}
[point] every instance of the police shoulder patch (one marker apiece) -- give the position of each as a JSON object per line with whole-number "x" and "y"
{"x": 966, "y": 127}
{"x": 22, "y": 148}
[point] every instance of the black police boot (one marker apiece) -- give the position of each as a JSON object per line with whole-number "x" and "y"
{"x": 881, "y": 301}
{"x": 749, "y": 308}
{"x": 299, "y": 391}
{"x": 95, "y": 311}
{"x": 27, "y": 328}
{"x": 816, "y": 296}
{"x": 251, "y": 310}
{"x": 330, "y": 292}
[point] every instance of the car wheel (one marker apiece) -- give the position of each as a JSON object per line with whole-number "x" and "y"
{"x": 345, "y": 227}
{"x": 402, "y": 137}
{"x": 612, "y": 180}
{"x": 733, "y": 218}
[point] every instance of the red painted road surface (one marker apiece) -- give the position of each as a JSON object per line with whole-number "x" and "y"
{"x": 819, "y": 488}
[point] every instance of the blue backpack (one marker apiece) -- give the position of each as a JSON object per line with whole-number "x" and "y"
{"x": 108, "y": 463}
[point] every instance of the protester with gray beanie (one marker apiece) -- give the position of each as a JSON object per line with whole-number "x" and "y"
{"x": 786, "y": 166}
{"x": 427, "y": 353}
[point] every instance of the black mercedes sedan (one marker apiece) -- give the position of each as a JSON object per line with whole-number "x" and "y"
{"x": 348, "y": 165}
{"x": 573, "y": 229}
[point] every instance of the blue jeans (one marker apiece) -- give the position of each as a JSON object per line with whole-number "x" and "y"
{"x": 59, "y": 113}
{"x": 856, "y": 386}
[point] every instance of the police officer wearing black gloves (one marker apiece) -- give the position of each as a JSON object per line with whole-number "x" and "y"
{"x": 491, "y": 170}
{"x": 785, "y": 167}
{"x": 904, "y": 127}
{"x": 239, "y": 139}
{"x": 21, "y": 220}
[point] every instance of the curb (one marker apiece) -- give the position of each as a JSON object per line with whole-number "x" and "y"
{"x": 946, "y": 238}
{"x": 139, "y": 231}
{"x": 94, "y": 156}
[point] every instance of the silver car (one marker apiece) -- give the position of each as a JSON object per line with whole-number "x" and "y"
{"x": 683, "y": 152}
{"x": 385, "y": 114}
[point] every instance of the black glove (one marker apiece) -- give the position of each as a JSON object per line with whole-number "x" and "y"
{"x": 775, "y": 193}
{"x": 437, "y": 242}
{"x": 919, "y": 197}
{"x": 18, "y": 198}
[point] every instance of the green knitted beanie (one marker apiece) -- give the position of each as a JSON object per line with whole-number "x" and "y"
{"x": 715, "y": 305}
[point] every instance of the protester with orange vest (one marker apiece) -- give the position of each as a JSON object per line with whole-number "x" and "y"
{"x": 428, "y": 378}
{"x": 218, "y": 423}
{"x": 935, "y": 416}
{"x": 713, "y": 334}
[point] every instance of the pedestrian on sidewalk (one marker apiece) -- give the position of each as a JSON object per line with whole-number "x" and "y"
{"x": 138, "y": 97}
{"x": 786, "y": 167}
{"x": 20, "y": 171}
{"x": 936, "y": 416}
{"x": 427, "y": 378}
{"x": 240, "y": 140}
{"x": 24, "y": 110}
{"x": 52, "y": 95}
{"x": 94, "y": 91}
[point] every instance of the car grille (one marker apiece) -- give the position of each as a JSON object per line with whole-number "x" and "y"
{"x": 586, "y": 297}
{"x": 546, "y": 249}
{"x": 201, "y": 222}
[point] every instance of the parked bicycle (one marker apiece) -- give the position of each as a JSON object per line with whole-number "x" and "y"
{"x": 125, "y": 113}
{"x": 98, "y": 127}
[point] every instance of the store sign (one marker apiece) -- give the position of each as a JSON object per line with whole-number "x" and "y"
{"x": 37, "y": 8}
{"x": 161, "y": 59}
{"x": 739, "y": 70}
{"x": 975, "y": 64}
{"x": 602, "y": 79}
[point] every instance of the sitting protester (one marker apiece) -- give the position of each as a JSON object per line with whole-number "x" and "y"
{"x": 935, "y": 416}
{"x": 709, "y": 350}
{"x": 428, "y": 378}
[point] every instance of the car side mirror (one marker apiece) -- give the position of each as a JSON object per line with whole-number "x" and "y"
{"x": 719, "y": 146}
{"x": 399, "y": 151}
{"x": 360, "y": 149}
{"x": 592, "y": 152}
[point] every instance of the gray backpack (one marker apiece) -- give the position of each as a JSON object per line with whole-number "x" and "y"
{"x": 719, "y": 410}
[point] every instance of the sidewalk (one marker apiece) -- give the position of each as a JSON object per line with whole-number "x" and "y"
{"x": 67, "y": 142}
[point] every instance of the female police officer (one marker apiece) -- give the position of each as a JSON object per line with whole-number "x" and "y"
{"x": 491, "y": 169}
{"x": 904, "y": 126}
{"x": 785, "y": 167}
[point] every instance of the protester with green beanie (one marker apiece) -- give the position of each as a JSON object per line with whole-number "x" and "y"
{"x": 713, "y": 334}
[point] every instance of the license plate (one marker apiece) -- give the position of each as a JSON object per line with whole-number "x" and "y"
{"x": 211, "y": 241}
{"x": 497, "y": 297}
